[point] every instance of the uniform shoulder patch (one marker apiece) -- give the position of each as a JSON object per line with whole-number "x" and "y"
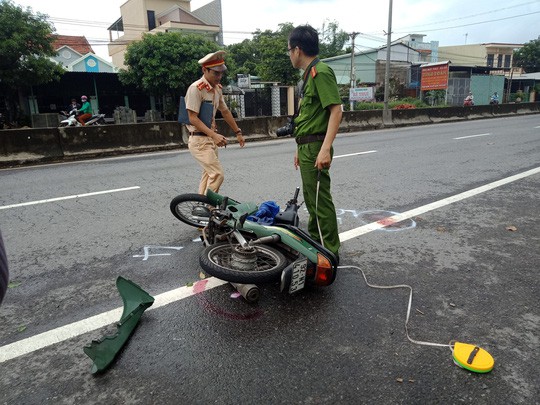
{"x": 201, "y": 85}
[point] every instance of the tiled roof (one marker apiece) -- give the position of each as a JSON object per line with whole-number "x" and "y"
{"x": 79, "y": 44}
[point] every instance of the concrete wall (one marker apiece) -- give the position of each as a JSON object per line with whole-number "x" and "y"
{"x": 33, "y": 146}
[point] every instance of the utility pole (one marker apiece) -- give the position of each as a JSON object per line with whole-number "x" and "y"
{"x": 386, "y": 112}
{"x": 353, "y": 76}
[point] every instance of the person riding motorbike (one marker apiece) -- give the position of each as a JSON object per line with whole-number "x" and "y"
{"x": 469, "y": 100}
{"x": 494, "y": 99}
{"x": 70, "y": 107}
{"x": 73, "y": 106}
{"x": 85, "y": 110}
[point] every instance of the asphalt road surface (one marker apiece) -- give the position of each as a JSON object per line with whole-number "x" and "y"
{"x": 451, "y": 210}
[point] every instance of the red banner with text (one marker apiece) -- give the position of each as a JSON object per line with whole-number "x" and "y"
{"x": 434, "y": 77}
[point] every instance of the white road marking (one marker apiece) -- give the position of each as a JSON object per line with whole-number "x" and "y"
{"x": 75, "y": 329}
{"x": 354, "y": 154}
{"x": 353, "y": 233}
{"x": 472, "y": 136}
{"x": 69, "y": 197}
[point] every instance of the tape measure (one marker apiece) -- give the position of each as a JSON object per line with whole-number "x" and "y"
{"x": 472, "y": 358}
{"x": 467, "y": 356}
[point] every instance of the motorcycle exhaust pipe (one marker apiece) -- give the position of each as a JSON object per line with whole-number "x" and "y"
{"x": 250, "y": 292}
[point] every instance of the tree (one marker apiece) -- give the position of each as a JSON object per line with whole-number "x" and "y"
{"x": 528, "y": 57}
{"x": 332, "y": 40}
{"x": 274, "y": 63}
{"x": 265, "y": 55}
{"x": 26, "y": 44}
{"x": 165, "y": 64}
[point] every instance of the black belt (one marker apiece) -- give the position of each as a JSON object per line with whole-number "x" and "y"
{"x": 300, "y": 140}
{"x": 197, "y": 134}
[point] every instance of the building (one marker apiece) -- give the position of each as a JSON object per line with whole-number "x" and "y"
{"x": 429, "y": 51}
{"x": 75, "y": 54}
{"x": 493, "y": 55}
{"x": 152, "y": 16}
{"x": 368, "y": 66}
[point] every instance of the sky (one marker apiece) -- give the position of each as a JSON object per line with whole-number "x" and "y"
{"x": 451, "y": 22}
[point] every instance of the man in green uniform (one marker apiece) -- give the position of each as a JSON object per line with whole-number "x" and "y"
{"x": 316, "y": 127}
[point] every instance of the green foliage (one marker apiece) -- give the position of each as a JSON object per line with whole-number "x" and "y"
{"x": 332, "y": 40}
{"x": 266, "y": 54}
{"x": 165, "y": 63}
{"x": 26, "y": 43}
{"x": 393, "y": 104}
{"x": 274, "y": 63}
{"x": 528, "y": 57}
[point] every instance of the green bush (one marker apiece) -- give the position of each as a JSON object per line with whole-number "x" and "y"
{"x": 379, "y": 106}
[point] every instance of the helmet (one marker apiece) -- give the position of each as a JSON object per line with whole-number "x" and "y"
{"x": 84, "y": 98}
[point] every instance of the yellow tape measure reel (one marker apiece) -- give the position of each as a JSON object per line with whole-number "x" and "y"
{"x": 472, "y": 358}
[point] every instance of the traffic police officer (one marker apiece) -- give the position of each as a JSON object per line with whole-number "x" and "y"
{"x": 203, "y": 140}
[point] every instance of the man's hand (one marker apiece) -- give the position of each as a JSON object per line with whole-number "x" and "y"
{"x": 323, "y": 159}
{"x": 219, "y": 139}
{"x": 241, "y": 140}
{"x": 296, "y": 164}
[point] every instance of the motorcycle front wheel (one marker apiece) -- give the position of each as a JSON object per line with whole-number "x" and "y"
{"x": 253, "y": 265}
{"x": 192, "y": 209}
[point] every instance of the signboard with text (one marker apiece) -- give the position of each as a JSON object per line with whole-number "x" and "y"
{"x": 361, "y": 94}
{"x": 434, "y": 77}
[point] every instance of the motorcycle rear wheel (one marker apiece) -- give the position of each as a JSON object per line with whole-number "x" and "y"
{"x": 258, "y": 264}
{"x": 192, "y": 209}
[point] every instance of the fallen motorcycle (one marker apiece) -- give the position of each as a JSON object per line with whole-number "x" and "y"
{"x": 70, "y": 119}
{"x": 241, "y": 249}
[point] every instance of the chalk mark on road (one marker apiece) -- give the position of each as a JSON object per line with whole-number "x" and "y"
{"x": 147, "y": 254}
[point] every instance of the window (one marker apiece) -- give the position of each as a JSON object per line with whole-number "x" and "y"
{"x": 507, "y": 60}
{"x": 499, "y": 60}
{"x": 151, "y": 19}
{"x": 490, "y": 59}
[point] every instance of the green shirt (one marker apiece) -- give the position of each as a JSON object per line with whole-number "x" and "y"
{"x": 320, "y": 92}
{"x": 86, "y": 108}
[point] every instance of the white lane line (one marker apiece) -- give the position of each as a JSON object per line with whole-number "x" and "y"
{"x": 353, "y": 233}
{"x": 69, "y": 197}
{"x": 537, "y": 127}
{"x": 75, "y": 329}
{"x": 473, "y": 136}
{"x": 62, "y": 333}
{"x": 354, "y": 154}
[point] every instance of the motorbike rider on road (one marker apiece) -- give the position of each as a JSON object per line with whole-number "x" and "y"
{"x": 85, "y": 110}
{"x": 73, "y": 106}
{"x": 469, "y": 100}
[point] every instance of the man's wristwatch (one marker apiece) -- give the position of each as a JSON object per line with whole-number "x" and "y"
{"x": 238, "y": 132}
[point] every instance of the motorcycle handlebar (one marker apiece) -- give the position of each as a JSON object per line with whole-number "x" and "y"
{"x": 295, "y": 198}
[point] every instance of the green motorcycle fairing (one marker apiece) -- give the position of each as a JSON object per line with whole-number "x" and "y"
{"x": 287, "y": 237}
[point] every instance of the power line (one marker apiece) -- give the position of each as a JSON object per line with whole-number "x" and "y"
{"x": 469, "y": 16}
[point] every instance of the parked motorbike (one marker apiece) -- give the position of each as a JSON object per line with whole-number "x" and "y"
{"x": 70, "y": 119}
{"x": 240, "y": 250}
{"x": 468, "y": 102}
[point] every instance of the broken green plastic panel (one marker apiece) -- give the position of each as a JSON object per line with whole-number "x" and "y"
{"x": 136, "y": 301}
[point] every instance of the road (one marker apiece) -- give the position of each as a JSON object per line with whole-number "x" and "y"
{"x": 467, "y": 241}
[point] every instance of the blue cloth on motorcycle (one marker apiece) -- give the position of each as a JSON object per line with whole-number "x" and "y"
{"x": 266, "y": 213}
